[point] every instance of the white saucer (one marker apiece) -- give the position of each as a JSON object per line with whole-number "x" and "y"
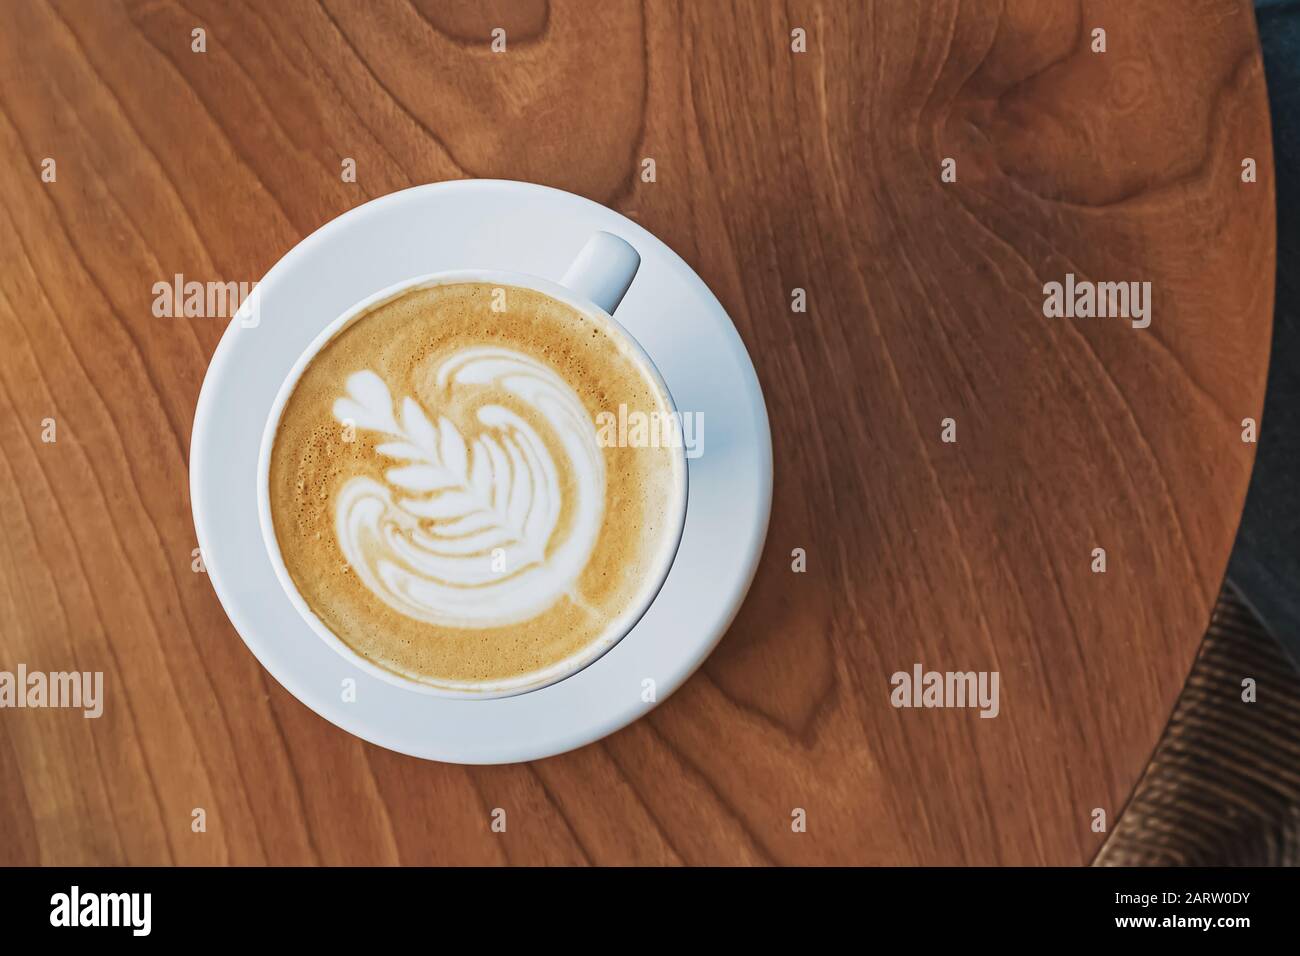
{"x": 519, "y": 227}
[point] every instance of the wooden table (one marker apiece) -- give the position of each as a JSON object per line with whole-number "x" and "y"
{"x": 774, "y": 171}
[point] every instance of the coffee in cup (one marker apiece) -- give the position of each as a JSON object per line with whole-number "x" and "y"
{"x": 441, "y": 497}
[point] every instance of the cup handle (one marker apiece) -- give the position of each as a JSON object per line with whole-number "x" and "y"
{"x": 603, "y": 270}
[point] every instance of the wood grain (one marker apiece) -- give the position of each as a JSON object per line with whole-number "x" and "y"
{"x": 775, "y": 170}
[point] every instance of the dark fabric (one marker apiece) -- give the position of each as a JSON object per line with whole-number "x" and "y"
{"x": 1222, "y": 788}
{"x": 1265, "y": 564}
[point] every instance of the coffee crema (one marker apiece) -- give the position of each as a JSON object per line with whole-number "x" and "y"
{"x": 439, "y": 496}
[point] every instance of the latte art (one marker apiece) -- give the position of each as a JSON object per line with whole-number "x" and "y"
{"x": 440, "y": 498}
{"x": 460, "y": 533}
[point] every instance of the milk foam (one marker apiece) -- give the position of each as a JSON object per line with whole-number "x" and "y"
{"x": 462, "y": 533}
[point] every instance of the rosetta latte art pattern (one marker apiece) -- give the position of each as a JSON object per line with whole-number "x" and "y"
{"x": 460, "y": 534}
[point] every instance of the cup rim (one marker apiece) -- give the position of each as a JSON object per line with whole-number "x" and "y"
{"x": 537, "y": 680}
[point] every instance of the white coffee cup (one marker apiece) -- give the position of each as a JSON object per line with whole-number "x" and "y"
{"x": 594, "y": 284}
